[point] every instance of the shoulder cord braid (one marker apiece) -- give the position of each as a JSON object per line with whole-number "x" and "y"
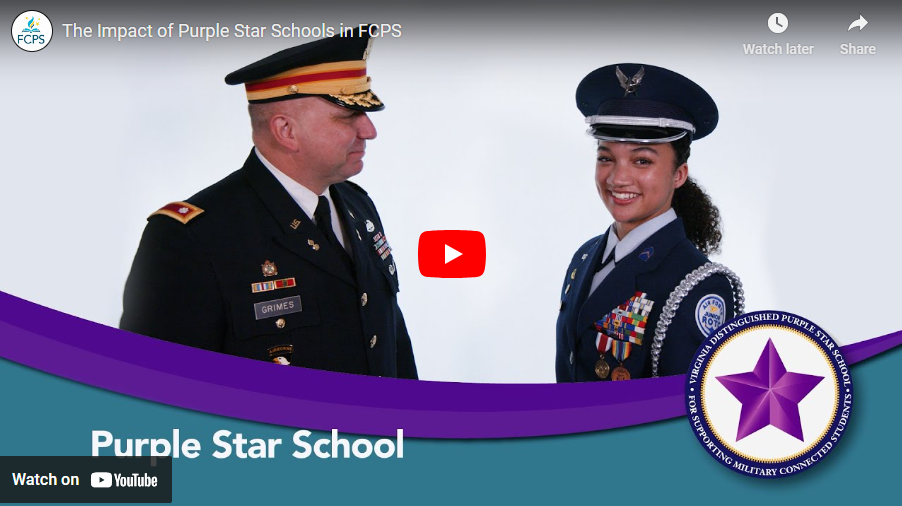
{"x": 681, "y": 291}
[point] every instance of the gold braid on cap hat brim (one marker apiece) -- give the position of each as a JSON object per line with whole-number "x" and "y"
{"x": 334, "y": 78}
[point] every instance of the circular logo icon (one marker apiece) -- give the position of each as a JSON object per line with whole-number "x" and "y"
{"x": 32, "y": 31}
{"x": 778, "y": 22}
{"x": 769, "y": 394}
{"x": 710, "y": 313}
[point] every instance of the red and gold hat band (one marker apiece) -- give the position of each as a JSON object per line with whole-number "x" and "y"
{"x": 335, "y": 78}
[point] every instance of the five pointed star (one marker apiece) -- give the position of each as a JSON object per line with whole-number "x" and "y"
{"x": 769, "y": 395}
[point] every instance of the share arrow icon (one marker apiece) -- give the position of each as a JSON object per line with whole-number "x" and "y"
{"x": 860, "y": 23}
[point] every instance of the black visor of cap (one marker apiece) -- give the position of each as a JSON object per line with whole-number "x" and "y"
{"x": 646, "y": 134}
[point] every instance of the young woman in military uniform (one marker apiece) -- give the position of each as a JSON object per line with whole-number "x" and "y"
{"x": 639, "y": 299}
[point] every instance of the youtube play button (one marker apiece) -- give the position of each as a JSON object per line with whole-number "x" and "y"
{"x": 452, "y": 254}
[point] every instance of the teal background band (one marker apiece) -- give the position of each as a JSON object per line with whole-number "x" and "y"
{"x": 659, "y": 462}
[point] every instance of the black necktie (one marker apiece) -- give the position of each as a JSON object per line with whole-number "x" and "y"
{"x": 323, "y": 217}
{"x": 608, "y": 260}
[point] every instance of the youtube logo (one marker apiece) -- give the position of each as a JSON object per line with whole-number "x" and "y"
{"x": 451, "y": 254}
{"x": 101, "y": 480}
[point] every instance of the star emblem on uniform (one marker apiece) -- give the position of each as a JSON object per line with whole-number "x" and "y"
{"x": 770, "y": 395}
{"x": 183, "y": 210}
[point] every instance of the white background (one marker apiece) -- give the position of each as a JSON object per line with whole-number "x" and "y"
{"x": 481, "y": 132}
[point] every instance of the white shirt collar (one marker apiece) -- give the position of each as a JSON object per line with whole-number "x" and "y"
{"x": 636, "y": 236}
{"x": 304, "y": 197}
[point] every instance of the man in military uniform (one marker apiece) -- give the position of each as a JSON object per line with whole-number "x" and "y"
{"x": 284, "y": 260}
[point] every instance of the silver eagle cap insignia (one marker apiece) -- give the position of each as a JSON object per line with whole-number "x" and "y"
{"x": 630, "y": 84}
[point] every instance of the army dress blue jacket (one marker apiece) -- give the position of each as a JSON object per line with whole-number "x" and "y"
{"x": 241, "y": 269}
{"x": 654, "y": 268}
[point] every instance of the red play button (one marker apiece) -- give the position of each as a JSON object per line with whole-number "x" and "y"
{"x": 452, "y": 254}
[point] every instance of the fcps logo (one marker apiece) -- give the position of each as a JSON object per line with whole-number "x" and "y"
{"x": 31, "y": 31}
{"x": 768, "y": 394}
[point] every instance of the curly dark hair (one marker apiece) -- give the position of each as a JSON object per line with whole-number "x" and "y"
{"x": 700, "y": 216}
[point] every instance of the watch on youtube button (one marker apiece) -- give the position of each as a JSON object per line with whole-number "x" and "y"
{"x": 452, "y": 254}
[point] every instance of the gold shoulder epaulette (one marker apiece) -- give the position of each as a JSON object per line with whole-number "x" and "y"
{"x": 181, "y": 211}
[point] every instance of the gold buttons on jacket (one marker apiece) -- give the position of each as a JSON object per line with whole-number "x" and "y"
{"x": 280, "y": 323}
{"x": 373, "y": 341}
{"x": 363, "y": 299}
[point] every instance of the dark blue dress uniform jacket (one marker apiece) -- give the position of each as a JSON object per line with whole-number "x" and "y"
{"x": 672, "y": 257}
{"x": 191, "y": 283}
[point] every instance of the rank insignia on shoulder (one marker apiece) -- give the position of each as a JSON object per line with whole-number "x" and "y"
{"x": 179, "y": 211}
{"x": 646, "y": 254}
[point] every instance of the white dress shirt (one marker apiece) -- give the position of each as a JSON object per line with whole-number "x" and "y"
{"x": 625, "y": 246}
{"x": 305, "y": 198}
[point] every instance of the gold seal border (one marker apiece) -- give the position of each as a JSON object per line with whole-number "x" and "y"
{"x": 729, "y": 446}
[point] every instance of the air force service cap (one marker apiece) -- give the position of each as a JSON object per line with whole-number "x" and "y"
{"x": 633, "y": 102}
{"x": 333, "y": 68}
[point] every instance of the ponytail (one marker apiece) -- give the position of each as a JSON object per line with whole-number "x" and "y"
{"x": 700, "y": 216}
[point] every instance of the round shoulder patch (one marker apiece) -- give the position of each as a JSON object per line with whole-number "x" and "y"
{"x": 710, "y": 313}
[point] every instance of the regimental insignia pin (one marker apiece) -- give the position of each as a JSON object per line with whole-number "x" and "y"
{"x": 585, "y": 255}
{"x": 391, "y": 269}
{"x": 630, "y": 84}
{"x": 269, "y": 269}
{"x": 646, "y": 254}
{"x": 295, "y": 224}
{"x": 313, "y": 244}
{"x": 369, "y": 226}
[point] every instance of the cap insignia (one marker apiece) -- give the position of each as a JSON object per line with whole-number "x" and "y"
{"x": 632, "y": 83}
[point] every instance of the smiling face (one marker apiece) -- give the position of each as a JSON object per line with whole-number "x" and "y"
{"x": 636, "y": 181}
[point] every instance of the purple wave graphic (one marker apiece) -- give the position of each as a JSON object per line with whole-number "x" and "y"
{"x": 235, "y": 387}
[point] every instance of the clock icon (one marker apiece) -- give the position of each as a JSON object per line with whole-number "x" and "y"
{"x": 778, "y": 22}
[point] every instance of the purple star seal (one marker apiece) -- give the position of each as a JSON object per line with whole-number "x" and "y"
{"x": 769, "y": 395}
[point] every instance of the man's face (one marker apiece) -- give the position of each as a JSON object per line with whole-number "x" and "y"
{"x": 331, "y": 139}
{"x": 636, "y": 181}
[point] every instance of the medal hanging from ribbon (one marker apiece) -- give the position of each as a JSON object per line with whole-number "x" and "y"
{"x": 602, "y": 369}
